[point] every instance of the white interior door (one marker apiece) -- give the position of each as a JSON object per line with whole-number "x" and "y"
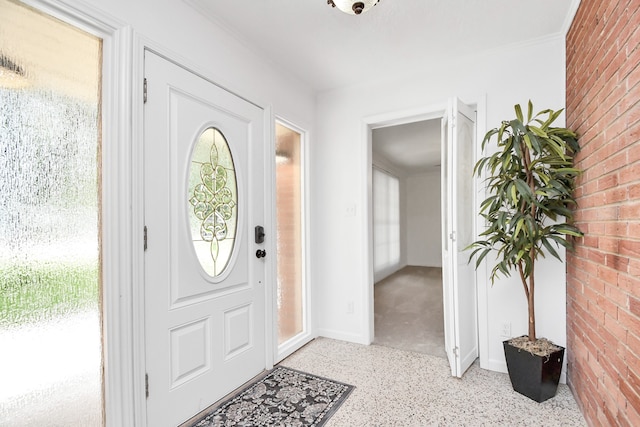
{"x": 204, "y": 285}
{"x": 458, "y": 276}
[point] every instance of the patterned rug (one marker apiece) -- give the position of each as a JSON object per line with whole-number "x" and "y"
{"x": 284, "y": 397}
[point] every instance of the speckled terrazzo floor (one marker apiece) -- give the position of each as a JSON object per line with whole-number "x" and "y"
{"x": 403, "y": 388}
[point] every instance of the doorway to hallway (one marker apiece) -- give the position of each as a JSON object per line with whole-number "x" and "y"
{"x": 456, "y": 228}
{"x": 407, "y": 224}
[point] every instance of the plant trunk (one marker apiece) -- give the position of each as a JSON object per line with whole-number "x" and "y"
{"x": 532, "y": 252}
{"x": 532, "y": 309}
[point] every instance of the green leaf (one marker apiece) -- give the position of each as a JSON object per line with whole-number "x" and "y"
{"x": 539, "y": 132}
{"x": 550, "y": 248}
{"x": 519, "y": 112}
{"x": 529, "y": 111}
{"x": 523, "y": 189}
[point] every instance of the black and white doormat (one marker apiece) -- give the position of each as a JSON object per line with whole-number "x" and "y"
{"x": 284, "y": 397}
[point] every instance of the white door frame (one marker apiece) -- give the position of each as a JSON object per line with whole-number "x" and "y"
{"x": 117, "y": 191}
{"x": 428, "y": 112}
{"x": 308, "y": 331}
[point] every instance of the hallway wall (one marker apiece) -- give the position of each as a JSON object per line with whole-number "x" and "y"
{"x": 603, "y": 283}
{"x": 423, "y": 236}
{"x": 341, "y": 270}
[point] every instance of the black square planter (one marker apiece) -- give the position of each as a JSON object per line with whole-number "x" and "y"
{"x": 534, "y": 376}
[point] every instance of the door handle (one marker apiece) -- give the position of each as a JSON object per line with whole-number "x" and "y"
{"x": 261, "y": 253}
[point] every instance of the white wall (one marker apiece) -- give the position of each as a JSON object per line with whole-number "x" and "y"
{"x": 186, "y": 35}
{"x": 423, "y": 232}
{"x": 505, "y": 77}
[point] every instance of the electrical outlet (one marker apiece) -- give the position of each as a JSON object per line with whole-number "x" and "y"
{"x": 505, "y": 329}
{"x": 350, "y": 308}
{"x": 350, "y": 210}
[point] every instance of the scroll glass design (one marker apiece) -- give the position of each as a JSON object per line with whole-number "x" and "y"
{"x": 213, "y": 200}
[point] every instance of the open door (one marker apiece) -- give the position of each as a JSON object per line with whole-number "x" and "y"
{"x": 458, "y": 276}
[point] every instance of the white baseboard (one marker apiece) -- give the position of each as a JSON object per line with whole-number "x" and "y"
{"x": 343, "y": 336}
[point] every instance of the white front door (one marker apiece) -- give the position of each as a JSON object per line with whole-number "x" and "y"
{"x": 458, "y": 276}
{"x": 204, "y": 285}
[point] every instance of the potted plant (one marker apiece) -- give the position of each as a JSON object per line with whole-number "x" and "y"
{"x": 530, "y": 181}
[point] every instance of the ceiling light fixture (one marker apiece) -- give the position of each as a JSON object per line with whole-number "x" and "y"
{"x": 353, "y": 7}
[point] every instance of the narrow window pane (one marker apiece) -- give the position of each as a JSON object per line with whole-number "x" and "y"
{"x": 386, "y": 220}
{"x": 289, "y": 233}
{"x": 50, "y": 339}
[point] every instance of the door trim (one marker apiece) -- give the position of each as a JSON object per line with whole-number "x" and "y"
{"x": 117, "y": 189}
{"x": 369, "y": 123}
{"x": 308, "y": 333}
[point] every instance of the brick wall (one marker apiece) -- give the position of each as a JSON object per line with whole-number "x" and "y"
{"x": 603, "y": 275}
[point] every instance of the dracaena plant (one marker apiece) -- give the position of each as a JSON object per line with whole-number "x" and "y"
{"x": 530, "y": 181}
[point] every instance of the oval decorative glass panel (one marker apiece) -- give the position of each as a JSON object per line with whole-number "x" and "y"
{"x": 213, "y": 199}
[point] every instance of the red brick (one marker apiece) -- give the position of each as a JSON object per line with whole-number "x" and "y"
{"x": 631, "y": 212}
{"x": 617, "y": 329}
{"x": 607, "y": 244}
{"x": 630, "y": 394}
{"x": 618, "y": 229}
{"x": 634, "y": 190}
{"x": 595, "y": 256}
{"x": 609, "y": 275}
{"x": 630, "y": 248}
{"x": 606, "y": 417}
{"x": 628, "y": 320}
{"x": 629, "y": 284}
{"x": 632, "y": 416}
{"x": 616, "y": 262}
{"x": 596, "y": 228}
{"x": 615, "y": 294}
{"x": 633, "y": 346}
{"x": 608, "y": 306}
{"x": 634, "y": 306}
{"x": 603, "y": 282}
{"x": 634, "y": 267}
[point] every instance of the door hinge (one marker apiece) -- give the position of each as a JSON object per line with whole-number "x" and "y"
{"x": 455, "y": 353}
{"x": 452, "y": 236}
{"x": 144, "y": 90}
{"x": 146, "y": 385}
{"x": 145, "y": 238}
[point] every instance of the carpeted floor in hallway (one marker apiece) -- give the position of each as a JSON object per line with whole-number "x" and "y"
{"x": 408, "y": 311}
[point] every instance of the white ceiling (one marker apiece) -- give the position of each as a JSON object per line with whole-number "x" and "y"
{"x": 327, "y": 48}
{"x": 412, "y": 148}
